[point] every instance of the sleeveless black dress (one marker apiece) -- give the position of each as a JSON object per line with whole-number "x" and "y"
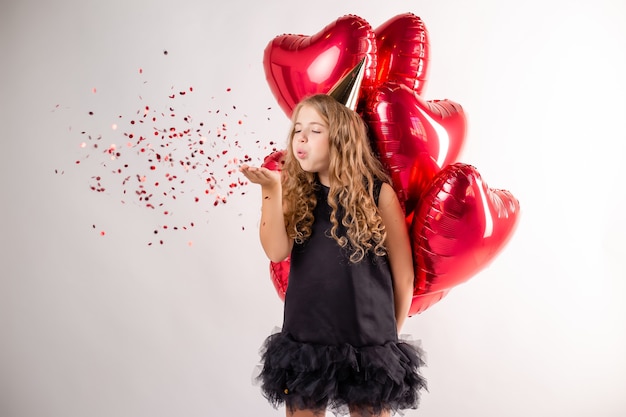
{"x": 339, "y": 346}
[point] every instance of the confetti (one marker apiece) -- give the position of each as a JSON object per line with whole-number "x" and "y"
{"x": 167, "y": 159}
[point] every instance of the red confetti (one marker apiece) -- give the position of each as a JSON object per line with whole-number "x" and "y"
{"x": 188, "y": 148}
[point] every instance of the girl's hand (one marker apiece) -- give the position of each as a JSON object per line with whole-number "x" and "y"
{"x": 261, "y": 175}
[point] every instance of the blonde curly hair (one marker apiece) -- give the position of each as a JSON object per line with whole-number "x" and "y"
{"x": 353, "y": 171}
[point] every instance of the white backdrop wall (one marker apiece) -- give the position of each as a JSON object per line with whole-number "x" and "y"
{"x": 109, "y": 325}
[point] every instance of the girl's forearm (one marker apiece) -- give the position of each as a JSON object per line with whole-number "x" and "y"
{"x": 273, "y": 234}
{"x": 402, "y": 300}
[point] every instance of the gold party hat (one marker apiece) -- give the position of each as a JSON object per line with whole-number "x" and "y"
{"x": 347, "y": 89}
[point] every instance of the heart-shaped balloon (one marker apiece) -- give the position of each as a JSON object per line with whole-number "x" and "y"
{"x": 403, "y": 52}
{"x": 279, "y": 274}
{"x": 297, "y": 66}
{"x": 460, "y": 225}
{"x": 274, "y": 161}
{"x": 403, "y": 126}
{"x": 421, "y": 302}
{"x": 420, "y": 178}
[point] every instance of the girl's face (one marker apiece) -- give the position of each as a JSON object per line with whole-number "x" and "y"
{"x": 311, "y": 144}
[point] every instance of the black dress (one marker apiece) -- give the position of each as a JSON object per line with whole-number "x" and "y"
{"x": 339, "y": 346}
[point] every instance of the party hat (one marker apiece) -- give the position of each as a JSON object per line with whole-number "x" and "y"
{"x": 347, "y": 89}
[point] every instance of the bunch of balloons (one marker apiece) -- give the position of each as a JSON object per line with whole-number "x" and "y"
{"x": 457, "y": 224}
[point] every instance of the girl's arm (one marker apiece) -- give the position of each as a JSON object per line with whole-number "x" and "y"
{"x": 399, "y": 252}
{"x": 276, "y": 244}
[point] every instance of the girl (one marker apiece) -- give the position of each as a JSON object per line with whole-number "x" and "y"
{"x": 351, "y": 273}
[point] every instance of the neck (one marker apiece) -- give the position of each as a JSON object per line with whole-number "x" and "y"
{"x": 323, "y": 179}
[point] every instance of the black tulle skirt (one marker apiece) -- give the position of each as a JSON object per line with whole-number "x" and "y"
{"x": 316, "y": 377}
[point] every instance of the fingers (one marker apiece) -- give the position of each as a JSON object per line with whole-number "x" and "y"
{"x": 251, "y": 172}
{"x": 260, "y": 175}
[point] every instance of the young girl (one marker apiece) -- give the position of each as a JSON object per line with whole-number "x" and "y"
{"x": 351, "y": 274}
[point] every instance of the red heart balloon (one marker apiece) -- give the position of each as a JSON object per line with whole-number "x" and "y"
{"x": 459, "y": 227}
{"x": 403, "y": 52}
{"x": 297, "y": 66}
{"x": 420, "y": 178}
{"x": 279, "y": 274}
{"x": 275, "y": 160}
{"x": 404, "y": 126}
{"x": 421, "y": 302}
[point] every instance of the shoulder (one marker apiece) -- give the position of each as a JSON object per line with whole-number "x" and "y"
{"x": 389, "y": 206}
{"x": 387, "y": 195}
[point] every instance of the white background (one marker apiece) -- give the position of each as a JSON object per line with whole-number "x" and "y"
{"x": 105, "y": 326}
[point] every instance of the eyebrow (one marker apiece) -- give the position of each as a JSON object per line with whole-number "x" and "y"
{"x": 312, "y": 123}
